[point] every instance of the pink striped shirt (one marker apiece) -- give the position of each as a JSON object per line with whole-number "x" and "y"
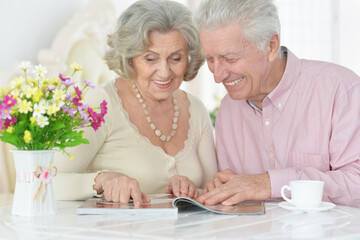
{"x": 309, "y": 128}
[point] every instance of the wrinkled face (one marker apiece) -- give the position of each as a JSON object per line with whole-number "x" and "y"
{"x": 235, "y": 63}
{"x": 160, "y": 70}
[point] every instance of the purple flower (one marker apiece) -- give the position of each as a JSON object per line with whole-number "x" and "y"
{"x": 51, "y": 87}
{"x": 70, "y": 111}
{"x": 67, "y": 82}
{"x": 83, "y": 114}
{"x": 69, "y": 96}
{"x": 89, "y": 84}
{"x": 5, "y": 112}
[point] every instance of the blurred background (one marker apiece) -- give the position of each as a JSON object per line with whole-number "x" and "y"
{"x": 316, "y": 29}
{"x": 42, "y": 31}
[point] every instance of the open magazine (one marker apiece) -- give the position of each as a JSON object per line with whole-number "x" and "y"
{"x": 168, "y": 203}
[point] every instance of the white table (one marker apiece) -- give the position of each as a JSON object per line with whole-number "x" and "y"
{"x": 338, "y": 223}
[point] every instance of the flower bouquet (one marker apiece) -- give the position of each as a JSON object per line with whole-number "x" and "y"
{"x": 40, "y": 114}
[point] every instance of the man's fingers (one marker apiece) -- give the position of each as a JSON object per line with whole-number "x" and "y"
{"x": 217, "y": 183}
{"x": 233, "y": 200}
{"x": 224, "y": 177}
{"x": 229, "y": 171}
{"x": 218, "y": 198}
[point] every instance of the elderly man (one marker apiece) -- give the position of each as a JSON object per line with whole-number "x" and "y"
{"x": 284, "y": 118}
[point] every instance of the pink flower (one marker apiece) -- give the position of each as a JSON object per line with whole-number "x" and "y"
{"x": 103, "y": 108}
{"x": 45, "y": 176}
{"x": 10, "y": 122}
{"x": 9, "y": 101}
{"x": 62, "y": 78}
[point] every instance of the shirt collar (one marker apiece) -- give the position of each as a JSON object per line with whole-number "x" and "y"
{"x": 279, "y": 96}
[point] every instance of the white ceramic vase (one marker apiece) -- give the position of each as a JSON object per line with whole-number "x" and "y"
{"x": 34, "y": 194}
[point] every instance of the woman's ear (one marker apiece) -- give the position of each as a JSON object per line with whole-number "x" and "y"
{"x": 273, "y": 47}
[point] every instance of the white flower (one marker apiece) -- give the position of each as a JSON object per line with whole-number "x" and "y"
{"x": 40, "y": 70}
{"x": 25, "y": 65}
{"x": 39, "y": 109}
{"x": 42, "y": 121}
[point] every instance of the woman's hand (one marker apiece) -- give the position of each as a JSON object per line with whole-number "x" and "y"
{"x": 182, "y": 186}
{"x": 118, "y": 187}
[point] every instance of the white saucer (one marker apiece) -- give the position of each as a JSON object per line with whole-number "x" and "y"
{"x": 322, "y": 207}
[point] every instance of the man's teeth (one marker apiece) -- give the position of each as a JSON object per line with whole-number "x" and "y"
{"x": 162, "y": 82}
{"x": 233, "y": 82}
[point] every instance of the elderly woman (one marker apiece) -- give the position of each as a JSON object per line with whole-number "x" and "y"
{"x": 156, "y": 137}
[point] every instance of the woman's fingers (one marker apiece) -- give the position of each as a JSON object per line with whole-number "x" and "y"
{"x": 175, "y": 186}
{"x": 185, "y": 184}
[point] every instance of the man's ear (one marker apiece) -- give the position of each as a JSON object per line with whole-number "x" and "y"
{"x": 273, "y": 47}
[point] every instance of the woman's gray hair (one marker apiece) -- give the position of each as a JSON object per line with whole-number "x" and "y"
{"x": 258, "y": 19}
{"x": 131, "y": 37}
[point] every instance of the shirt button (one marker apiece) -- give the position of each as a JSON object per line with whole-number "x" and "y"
{"x": 267, "y": 122}
{"x": 280, "y": 105}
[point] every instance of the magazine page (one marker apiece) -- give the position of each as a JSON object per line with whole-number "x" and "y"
{"x": 243, "y": 208}
{"x": 160, "y": 203}
{"x": 167, "y": 204}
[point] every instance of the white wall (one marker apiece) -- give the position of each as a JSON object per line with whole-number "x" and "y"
{"x": 27, "y": 26}
{"x": 322, "y": 29}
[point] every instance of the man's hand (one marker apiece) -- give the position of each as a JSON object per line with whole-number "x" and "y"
{"x": 238, "y": 188}
{"x": 215, "y": 181}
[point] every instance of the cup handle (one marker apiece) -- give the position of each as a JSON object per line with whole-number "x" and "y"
{"x": 283, "y": 194}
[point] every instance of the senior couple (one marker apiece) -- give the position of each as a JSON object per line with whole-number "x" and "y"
{"x": 283, "y": 119}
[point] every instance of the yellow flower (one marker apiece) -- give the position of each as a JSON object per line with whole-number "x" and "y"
{"x": 76, "y": 67}
{"x": 24, "y": 106}
{"x": 59, "y": 94}
{"x": 52, "y": 108}
{"x": 31, "y": 82}
{"x": 28, "y": 91}
{"x": 10, "y": 129}
{"x": 27, "y": 136}
{"x": 55, "y": 81}
{"x": 17, "y": 82}
{"x": 37, "y": 95}
{"x": 32, "y": 120}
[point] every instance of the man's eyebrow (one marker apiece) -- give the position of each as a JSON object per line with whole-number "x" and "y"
{"x": 227, "y": 53}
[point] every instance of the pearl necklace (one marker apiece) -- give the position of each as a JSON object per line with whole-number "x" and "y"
{"x": 148, "y": 118}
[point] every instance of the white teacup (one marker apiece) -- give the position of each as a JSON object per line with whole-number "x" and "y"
{"x": 304, "y": 193}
